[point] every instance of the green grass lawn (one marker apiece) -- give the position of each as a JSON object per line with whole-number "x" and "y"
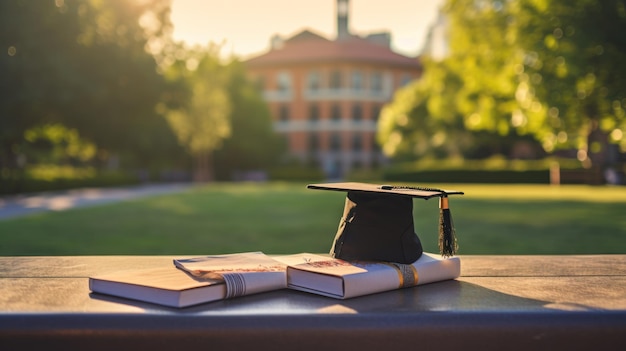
{"x": 288, "y": 218}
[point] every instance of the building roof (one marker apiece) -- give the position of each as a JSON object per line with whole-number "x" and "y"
{"x": 308, "y": 47}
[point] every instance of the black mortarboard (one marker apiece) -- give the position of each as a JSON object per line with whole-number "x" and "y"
{"x": 377, "y": 222}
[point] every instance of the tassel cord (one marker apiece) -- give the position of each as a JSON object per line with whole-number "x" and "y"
{"x": 447, "y": 235}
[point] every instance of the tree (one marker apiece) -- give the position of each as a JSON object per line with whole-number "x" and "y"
{"x": 547, "y": 69}
{"x": 30, "y": 76}
{"x": 573, "y": 73}
{"x": 421, "y": 121}
{"x": 253, "y": 144}
{"x": 84, "y": 65}
{"x": 56, "y": 144}
{"x": 118, "y": 86}
{"x": 485, "y": 58}
{"x": 200, "y": 115}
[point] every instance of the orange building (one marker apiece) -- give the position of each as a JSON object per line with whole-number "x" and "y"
{"x": 326, "y": 95}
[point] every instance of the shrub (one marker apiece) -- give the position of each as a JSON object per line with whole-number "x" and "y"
{"x": 492, "y": 170}
{"x": 65, "y": 178}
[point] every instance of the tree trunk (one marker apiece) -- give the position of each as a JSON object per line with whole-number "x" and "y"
{"x": 597, "y": 145}
{"x": 203, "y": 167}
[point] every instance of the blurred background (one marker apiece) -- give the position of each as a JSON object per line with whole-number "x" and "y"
{"x": 484, "y": 92}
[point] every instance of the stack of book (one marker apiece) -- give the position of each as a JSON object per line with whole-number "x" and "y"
{"x": 204, "y": 279}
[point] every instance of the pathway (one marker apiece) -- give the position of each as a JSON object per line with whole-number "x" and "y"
{"x": 21, "y": 205}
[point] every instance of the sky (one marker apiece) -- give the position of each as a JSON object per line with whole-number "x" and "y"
{"x": 244, "y": 27}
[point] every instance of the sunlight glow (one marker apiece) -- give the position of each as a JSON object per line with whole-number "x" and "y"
{"x": 246, "y": 26}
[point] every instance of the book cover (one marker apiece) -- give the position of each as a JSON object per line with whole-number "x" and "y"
{"x": 242, "y": 273}
{"x": 166, "y": 286}
{"x": 342, "y": 279}
{"x": 196, "y": 280}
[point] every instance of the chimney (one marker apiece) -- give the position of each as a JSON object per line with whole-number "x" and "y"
{"x": 276, "y": 42}
{"x": 342, "y": 19}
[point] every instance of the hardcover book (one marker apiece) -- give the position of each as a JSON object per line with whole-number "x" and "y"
{"x": 166, "y": 286}
{"x": 342, "y": 279}
{"x": 197, "y": 280}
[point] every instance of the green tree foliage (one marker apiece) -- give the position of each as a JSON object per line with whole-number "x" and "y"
{"x": 421, "y": 120}
{"x": 571, "y": 74}
{"x": 120, "y": 111}
{"x": 549, "y": 69}
{"x": 484, "y": 56}
{"x": 201, "y": 117}
{"x": 65, "y": 145}
{"x": 557, "y": 65}
{"x": 217, "y": 114}
{"x": 253, "y": 144}
{"x": 425, "y": 120}
{"x": 84, "y": 65}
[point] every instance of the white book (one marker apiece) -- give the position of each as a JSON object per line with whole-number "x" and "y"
{"x": 341, "y": 279}
{"x": 195, "y": 281}
{"x": 166, "y": 286}
{"x": 243, "y": 273}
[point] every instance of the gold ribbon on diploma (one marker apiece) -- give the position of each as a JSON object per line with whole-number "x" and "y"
{"x": 407, "y": 274}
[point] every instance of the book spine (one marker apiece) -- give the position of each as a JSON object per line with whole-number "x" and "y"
{"x": 254, "y": 282}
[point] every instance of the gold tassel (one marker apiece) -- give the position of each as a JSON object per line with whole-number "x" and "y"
{"x": 447, "y": 236}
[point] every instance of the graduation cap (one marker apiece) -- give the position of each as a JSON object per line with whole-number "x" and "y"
{"x": 377, "y": 222}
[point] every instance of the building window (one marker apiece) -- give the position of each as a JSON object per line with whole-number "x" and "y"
{"x": 377, "y": 82}
{"x": 405, "y": 79}
{"x": 335, "y": 80}
{"x": 357, "y": 113}
{"x": 389, "y": 80}
{"x": 357, "y": 143}
{"x": 283, "y": 113}
{"x": 356, "y": 81}
{"x": 375, "y": 113}
{"x": 314, "y": 113}
{"x": 314, "y": 81}
{"x": 335, "y": 142}
{"x": 335, "y": 113}
{"x": 314, "y": 142}
{"x": 284, "y": 82}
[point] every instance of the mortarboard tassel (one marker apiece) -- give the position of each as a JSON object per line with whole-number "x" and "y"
{"x": 447, "y": 235}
